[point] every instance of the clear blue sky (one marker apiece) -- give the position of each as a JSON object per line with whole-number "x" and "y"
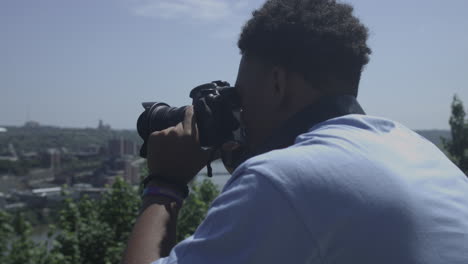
{"x": 71, "y": 63}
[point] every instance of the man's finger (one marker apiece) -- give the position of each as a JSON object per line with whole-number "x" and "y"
{"x": 188, "y": 121}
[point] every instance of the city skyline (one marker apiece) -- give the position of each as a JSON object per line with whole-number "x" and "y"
{"x": 71, "y": 64}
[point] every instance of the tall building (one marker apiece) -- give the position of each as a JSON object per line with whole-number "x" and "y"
{"x": 121, "y": 147}
{"x": 55, "y": 158}
{"x": 132, "y": 170}
{"x": 130, "y": 148}
{"x": 115, "y": 147}
{"x": 102, "y": 126}
{"x": 32, "y": 124}
{"x": 55, "y": 165}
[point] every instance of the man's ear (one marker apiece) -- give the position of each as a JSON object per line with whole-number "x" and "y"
{"x": 280, "y": 83}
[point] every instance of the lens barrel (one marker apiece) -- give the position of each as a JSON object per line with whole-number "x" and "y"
{"x": 162, "y": 116}
{"x": 157, "y": 117}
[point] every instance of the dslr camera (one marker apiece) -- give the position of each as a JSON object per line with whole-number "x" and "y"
{"x": 217, "y": 110}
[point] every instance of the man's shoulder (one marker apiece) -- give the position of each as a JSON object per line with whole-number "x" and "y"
{"x": 317, "y": 157}
{"x": 352, "y": 154}
{"x": 328, "y": 146}
{"x": 359, "y": 178}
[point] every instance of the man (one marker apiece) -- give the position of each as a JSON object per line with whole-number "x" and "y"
{"x": 325, "y": 183}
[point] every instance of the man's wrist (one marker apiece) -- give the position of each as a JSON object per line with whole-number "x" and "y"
{"x": 161, "y": 181}
{"x": 168, "y": 192}
{"x": 159, "y": 192}
{"x": 147, "y": 201}
{"x": 161, "y": 200}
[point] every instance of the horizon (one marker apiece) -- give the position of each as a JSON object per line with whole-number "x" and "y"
{"x": 70, "y": 64}
{"x": 134, "y": 129}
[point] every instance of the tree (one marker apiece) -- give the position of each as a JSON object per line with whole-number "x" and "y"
{"x": 96, "y": 231}
{"x": 458, "y": 147}
{"x": 93, "y": 230}
{"x": 195, "y": 208}
{"x": 6, "y": 232}
{"x": 16, "y": 244}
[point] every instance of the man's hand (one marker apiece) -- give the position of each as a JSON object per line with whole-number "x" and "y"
{"x": 175, "y": 153}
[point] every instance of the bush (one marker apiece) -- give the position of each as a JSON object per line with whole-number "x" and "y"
{"x": 94, "y": 231}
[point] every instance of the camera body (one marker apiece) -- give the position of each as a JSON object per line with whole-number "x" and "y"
{"x": 216, "y": 107}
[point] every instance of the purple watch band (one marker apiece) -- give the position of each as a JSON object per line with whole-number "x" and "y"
{"x": 159, "y": 191}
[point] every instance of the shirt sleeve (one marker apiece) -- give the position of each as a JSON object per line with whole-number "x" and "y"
{"x": 250, "y": 222}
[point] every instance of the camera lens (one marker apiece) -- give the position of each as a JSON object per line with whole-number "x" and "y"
{"x": 162, "y": 116}
{"x": 157, "y": 117}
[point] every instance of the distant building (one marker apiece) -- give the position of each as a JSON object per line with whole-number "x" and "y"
{"x": 32, "y": 200}
{"x": 91, "y": 148}
{"x": 3, "y": 130}
{"x": 83, "y": 189}
{"x": 132, "y": 170}
{"x": 88, "y": 152}
{"x": 64, "y": 150}
{"x": 31, "y": 155}
{"x": 121, "y": 147}
{"x": 15, "y": 206}
{"x": 111, "y": 168}
{"x": 32, "y": 124}
{"x": 47, "y": 191}
{"x": 115, "y": 147}
{"x": 9, "y": 158}
{"x": 130, "y": 148}
{"x": 102, "y": 126}
{"x": 37, "y": 198}
{"x": 55, "y": 157}
{"x": 10, "y": 154}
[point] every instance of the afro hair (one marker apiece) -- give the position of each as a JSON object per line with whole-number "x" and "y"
{"x": 320, "y": 39}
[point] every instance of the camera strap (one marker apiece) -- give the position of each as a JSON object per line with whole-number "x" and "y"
{"x": 209, "y": 170}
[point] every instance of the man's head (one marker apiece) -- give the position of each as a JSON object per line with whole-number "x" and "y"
{"x": 294, "y": 52}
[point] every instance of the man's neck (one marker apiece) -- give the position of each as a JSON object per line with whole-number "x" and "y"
{"x": 326, "y": 108}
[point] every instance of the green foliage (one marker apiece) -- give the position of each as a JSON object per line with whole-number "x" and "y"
{"x": 6, "y": 231}
{"x": 457, "y": 148}
{"x": 93, "y": 230}
{"x": 195, "y": 208}
{"x": 17, "y": 247}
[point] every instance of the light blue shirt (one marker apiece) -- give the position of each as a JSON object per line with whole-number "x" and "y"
{"x": 354, "y": 189}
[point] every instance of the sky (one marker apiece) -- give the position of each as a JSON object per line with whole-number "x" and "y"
{"x": 71, "y": 63}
